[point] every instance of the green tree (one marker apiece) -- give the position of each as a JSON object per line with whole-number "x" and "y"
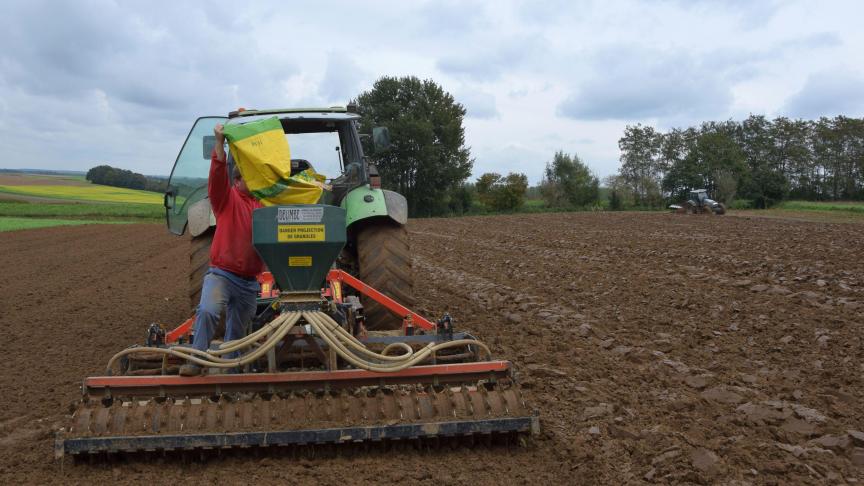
{"x": 765, "y": 183}
{"x": 621, "y": 195}
{"x": 428, "y": 156}
{"x": 502, "y": 193}
{"x": 460, "y": 199}
{"x": 568, "y": 182}
{"x": 715, "y": 157}
{"x": 793, "y": 157}
{"x": 641, "y": 163}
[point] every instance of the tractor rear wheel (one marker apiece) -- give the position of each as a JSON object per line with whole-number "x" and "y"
{"x": 199, "y": 263}
{"x": 384, "y": 261}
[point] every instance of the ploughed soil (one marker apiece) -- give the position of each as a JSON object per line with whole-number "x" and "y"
{"x": 12, "y": 179}
{"x": 657, "y": 347}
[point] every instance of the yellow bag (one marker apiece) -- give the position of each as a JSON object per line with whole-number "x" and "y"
{"x": 263, "y": 157}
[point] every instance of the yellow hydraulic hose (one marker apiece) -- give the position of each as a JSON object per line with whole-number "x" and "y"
{"x": 210, "y": 360}
{"x": 338, "y": 339}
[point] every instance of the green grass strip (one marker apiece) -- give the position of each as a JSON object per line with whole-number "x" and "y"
{"x": 839, "y": 206}
{"x": 93, "y": 192}
{"x": 18, "y": 224}
{"x": 89, "y": 211}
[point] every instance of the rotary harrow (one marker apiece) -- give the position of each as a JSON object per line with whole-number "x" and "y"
{"x": 307, "y": 373}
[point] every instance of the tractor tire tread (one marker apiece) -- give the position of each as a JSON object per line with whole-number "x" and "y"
{"x": 384, "y": 260}
{"x": 199, "y": 263}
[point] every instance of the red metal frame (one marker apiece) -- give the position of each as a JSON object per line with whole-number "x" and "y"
{"x": 335, "y": 279}
{"x": 395, "y": 307}
{"x": 171, "y": 385}
{"x": 295, "y": 376}
{"x": 183, "y": 329}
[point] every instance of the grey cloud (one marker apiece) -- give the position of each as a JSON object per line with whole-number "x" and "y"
{"x": 828, "y": 93}
{"x": 123, "y": 82}
{"x": 552, "y": 12}
{"x": 818, "y": 40}
{"x": 634, "y": 84}
{"x": 491, "y": 64}
{"x": 450, "y": 17}
{"x": 167, "y": 62}
{"x": 504, "y": 159}
{"x": 751, "y": 14}
{"x": 343, "y": 79}
{"x": 478, "y": 104}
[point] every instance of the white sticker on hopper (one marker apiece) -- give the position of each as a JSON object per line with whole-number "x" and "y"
{"x": 300, "y": 215}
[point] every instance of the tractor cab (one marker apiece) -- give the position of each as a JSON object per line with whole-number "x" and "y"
{"x": 698, "y": 197}
{"x": 324, "y": 138}
{"x": 328, "y": 140}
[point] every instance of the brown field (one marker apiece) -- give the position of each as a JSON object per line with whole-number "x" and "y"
{"x": 8, "y": 179}
{"x": 657, "y": 348}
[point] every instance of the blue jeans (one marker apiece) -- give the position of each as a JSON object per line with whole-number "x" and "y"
{"x": 224, "y": 291}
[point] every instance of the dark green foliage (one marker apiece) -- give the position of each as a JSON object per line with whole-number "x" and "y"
{"x": 759, "y": 160}
{"x": 615, "y": 201}
{"x": 502, "y": 193}
{"x": 714, "y": 158}
{"x": 427, "y": 158}
{"x": 111, "y": 176}
{"x": 460, "y": 199}
{"x": 567, "y": 182}
{"x": 643, "y": 163}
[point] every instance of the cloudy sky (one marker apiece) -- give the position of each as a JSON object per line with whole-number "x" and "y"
{"x": 89, "y": 82}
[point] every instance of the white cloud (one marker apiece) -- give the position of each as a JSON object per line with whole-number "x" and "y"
{"x": 478, "y": 104}
{"x": 828, "y": 93}
{"x": 121, "y": 82}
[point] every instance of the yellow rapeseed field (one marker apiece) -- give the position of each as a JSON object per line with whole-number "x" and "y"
{"x": 90, "y": 192}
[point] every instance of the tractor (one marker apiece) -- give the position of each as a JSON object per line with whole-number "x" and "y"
{"x": 698, "y": 202}
{"x": 334, "y": 356}
{"x": 377, "y": 251}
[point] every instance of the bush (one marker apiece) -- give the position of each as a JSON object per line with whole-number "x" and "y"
{"x": 502, "y": 193}
{"x": 111, "y": 176}
{"x": 741, "y": 204}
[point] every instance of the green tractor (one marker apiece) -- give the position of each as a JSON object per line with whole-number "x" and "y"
{"x": 377, "y": 250}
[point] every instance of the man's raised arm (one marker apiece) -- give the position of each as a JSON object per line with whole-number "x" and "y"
{"x": 219, "y": 183}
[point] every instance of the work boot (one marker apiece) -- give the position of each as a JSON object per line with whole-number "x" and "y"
{"x": 190, "y": 369}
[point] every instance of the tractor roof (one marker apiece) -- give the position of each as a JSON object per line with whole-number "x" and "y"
{"x": 330, "y": 113}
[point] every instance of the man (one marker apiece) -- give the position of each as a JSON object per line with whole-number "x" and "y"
{"x": 230, "y": 285}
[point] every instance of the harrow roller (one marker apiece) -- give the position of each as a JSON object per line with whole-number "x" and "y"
{"x": 296, "y": 418}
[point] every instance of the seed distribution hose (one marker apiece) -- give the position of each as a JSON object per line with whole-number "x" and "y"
{"x": 338, "y": 339}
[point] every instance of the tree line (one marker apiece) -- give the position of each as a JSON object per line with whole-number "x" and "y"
{"x": 758, "y": 160}
{"x": 429, "y": 163}
{"x": 112, "y": 176}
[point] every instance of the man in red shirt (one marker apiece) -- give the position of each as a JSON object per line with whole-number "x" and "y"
{"x": 230, "y": 285}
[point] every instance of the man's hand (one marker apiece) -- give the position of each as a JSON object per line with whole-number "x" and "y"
{"x": 220, "y": 142}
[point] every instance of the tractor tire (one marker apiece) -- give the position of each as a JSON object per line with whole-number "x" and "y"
{"x": 384, "y": 262}
{"x": 199, "y": 263}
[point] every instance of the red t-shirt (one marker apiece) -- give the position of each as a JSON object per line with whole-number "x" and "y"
{"x": 232, "y": 248}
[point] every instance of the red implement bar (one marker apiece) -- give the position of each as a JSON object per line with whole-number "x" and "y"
{"x": 172, "y": 385}
{"x": 183, "y": 329}
{"x": 334, "y": 276}
{"x": 394, "y": 307}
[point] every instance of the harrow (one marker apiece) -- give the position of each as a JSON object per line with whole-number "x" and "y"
{"x": 307, "y": 373}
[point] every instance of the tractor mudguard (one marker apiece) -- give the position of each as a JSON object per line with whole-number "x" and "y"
{"x": 200, "y": 217}
{"x": 365, "y": 202}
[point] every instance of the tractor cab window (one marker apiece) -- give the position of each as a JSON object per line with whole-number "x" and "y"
{"x": 188, "y": 182}
{"x": 322, "y": 150}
